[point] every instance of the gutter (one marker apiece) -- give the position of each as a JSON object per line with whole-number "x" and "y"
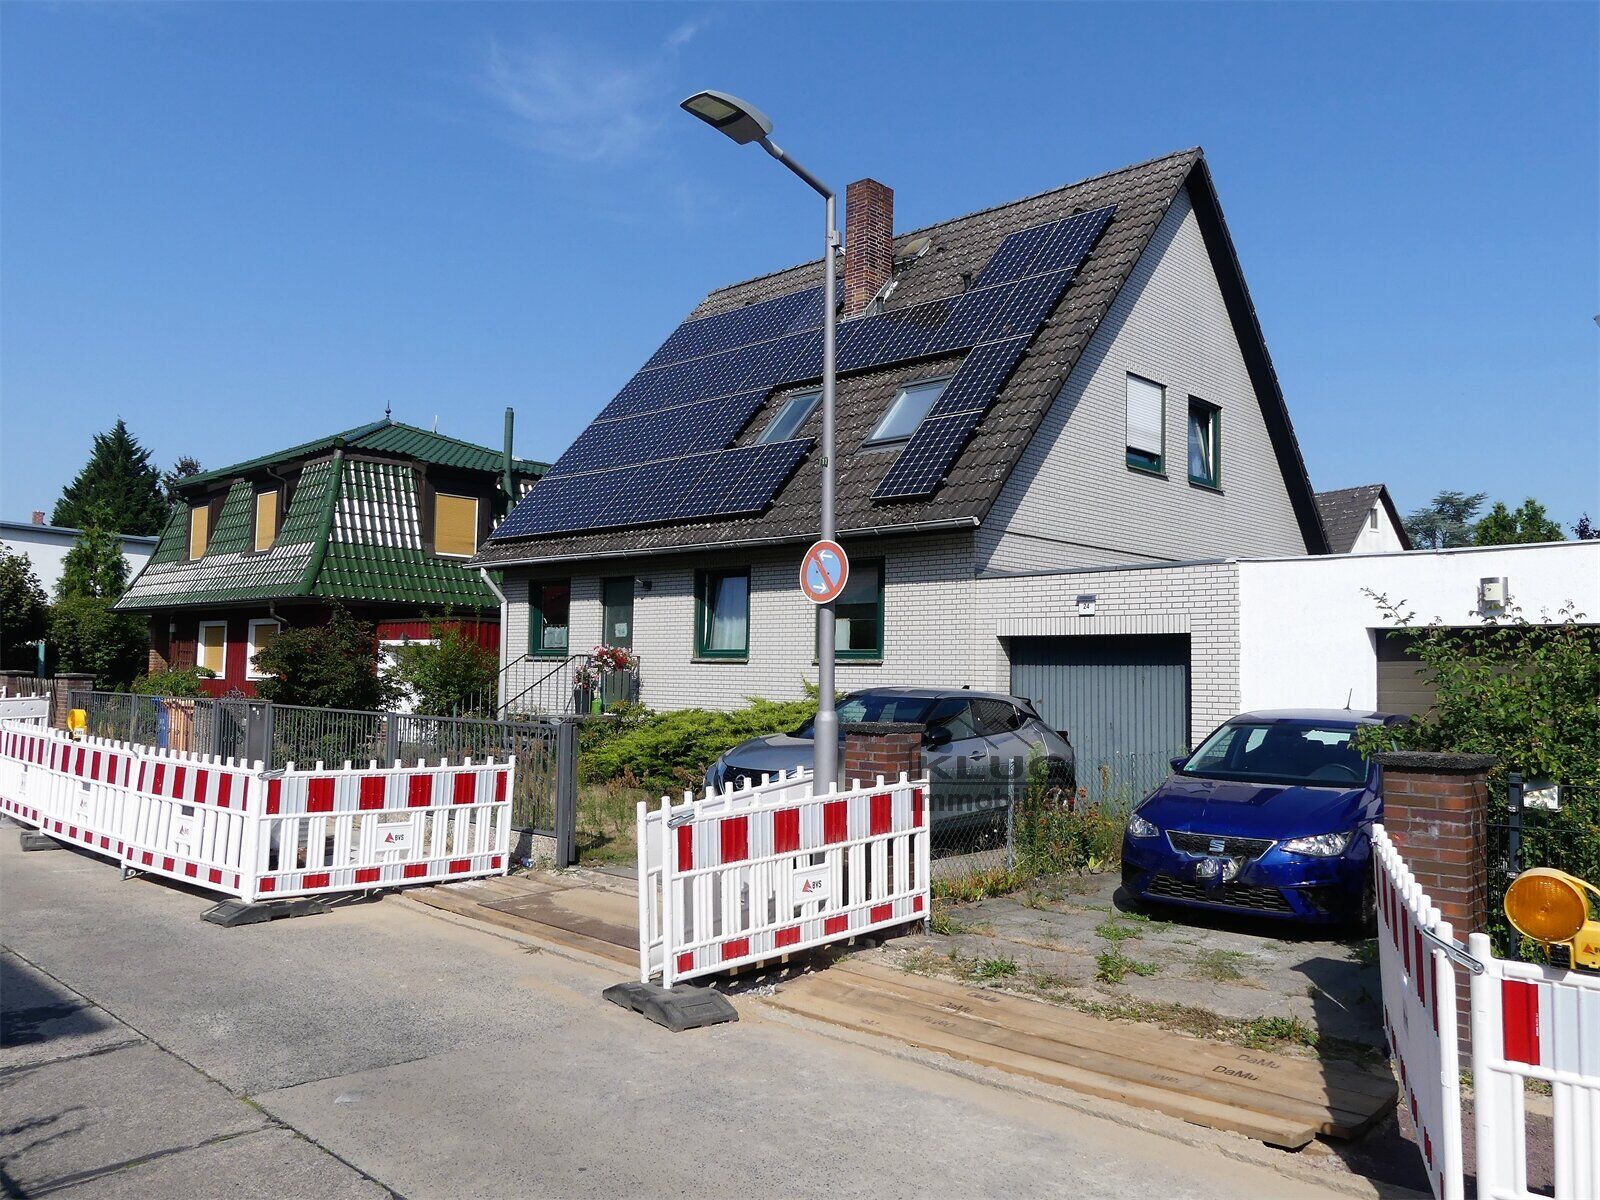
{"x": 325, "y": 525}
{"x": 785, "y": 539}
{"x": 505, "y": 619}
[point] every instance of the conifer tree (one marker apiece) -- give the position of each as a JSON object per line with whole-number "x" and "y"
{"x": 120, "y": 482}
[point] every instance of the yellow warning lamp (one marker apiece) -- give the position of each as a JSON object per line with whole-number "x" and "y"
{"x": 77, "y": 722}
{"x": 1549, "y": 906}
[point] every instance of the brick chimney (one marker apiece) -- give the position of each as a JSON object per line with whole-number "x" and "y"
{"x": 38, "y": 517}
{"x": 868, "y": 241}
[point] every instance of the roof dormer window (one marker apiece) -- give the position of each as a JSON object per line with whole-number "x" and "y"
{"x": 791, "y": 416}
{"x": 911, "y": 405}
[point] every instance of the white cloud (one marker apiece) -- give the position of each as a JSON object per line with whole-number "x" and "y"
{"x": 583, "y": 107}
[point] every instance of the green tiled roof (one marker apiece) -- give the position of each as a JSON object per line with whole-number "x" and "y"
{"x": 354, "y": 538}
{"x": 383, "y": 437}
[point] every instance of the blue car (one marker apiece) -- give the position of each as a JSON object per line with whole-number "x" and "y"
{"x": 1271, "y": 816}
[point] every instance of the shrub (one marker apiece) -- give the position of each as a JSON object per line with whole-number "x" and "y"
{"x": 87, "y": 635}
{"x": 182, "y": 682}
{"x": 450, "y": 676}
{"x": 1052, "y": 832}
{"x": 663, "y": 751}
{"x": 325, "y": 666}
{"x": 24, "y": 611}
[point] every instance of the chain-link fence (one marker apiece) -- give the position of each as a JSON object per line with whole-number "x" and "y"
{"x": 277, "y": 735}
{"x": 1001, "y": 822}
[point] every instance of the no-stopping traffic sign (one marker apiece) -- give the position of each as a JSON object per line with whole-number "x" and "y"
{"x": 823, "y": 572}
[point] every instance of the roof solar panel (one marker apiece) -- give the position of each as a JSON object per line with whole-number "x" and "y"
{"x": 1072, "y": 239}
{"x": 923, "y": 463}
{"x": 974, "y": 312}
{"x": 664, "y": 502}
{"x": 914, "y": 330}
{"x": 864, "y": 345}
{"x": 1030, "y": 302}
{"x": 982, "y": 374}
{"x": 1016, "y": 255}
{"x": 717, "y": 480}
{"x": 768, "y": 472}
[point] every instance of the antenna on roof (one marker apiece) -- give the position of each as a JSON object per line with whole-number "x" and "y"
{"x": 1349, "y": 696}
{"x": 436, "y": 422}
{"x": 388, "y": 414}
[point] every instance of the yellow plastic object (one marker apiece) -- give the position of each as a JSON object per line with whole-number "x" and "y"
{"x": 1547, "y": 905}
{"x": 77, "y": 722}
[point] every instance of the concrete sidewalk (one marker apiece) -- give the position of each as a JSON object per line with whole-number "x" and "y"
{"x": 379, "y": 1043}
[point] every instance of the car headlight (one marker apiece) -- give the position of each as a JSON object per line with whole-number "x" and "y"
{"x": 1319, "y": 845}
{"x": 1140, "y": 828}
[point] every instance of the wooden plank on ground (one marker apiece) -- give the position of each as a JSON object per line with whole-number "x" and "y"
{"x": 453, "y": 901}
{"x": 1288, "y": 1094}
{"x": 961, "y": 1039}
{"x": 1355, "y": 1095}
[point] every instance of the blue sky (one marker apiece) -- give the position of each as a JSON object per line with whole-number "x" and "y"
{"x": 240, "y": 226}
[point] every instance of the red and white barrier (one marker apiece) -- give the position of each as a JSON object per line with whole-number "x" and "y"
{"x": 230, "y": 827}
{"x": 1528, "y": 1023}
{"x": 1533, "y": 1022}
{"x": 1419, "y": 1014}
{"x": 740, "y": 876}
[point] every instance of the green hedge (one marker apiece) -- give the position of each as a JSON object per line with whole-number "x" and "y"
{"x": 671, "y": 750}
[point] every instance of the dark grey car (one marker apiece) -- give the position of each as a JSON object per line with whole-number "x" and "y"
{"x": 966, "y": 735}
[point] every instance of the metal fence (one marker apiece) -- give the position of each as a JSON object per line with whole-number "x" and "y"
{"x": 276, "y": 735}
{"x": 574, "y": 685}
{"x": 1541, "y": 825}
{"x": 1018, "y": 815}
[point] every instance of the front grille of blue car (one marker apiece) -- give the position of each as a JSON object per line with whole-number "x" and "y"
{"x": 1234, "y": 895}
{"x": 1232, "y": 847}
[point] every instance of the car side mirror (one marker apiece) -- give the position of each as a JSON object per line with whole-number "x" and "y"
{"x": 1177, "y": 763}
{"x": 937, "y": 736}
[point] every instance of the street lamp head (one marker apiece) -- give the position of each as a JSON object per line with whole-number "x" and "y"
{"x": 744, "y": 123}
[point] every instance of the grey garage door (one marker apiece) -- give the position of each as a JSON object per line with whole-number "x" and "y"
{"x": 1123, "y": 700}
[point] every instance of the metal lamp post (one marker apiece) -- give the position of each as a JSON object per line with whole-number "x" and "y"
{"x": 745, "y": 123}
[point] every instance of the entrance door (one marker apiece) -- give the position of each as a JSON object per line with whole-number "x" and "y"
{"x": 1124, "y": 702}
{"x": 616, "y": 599}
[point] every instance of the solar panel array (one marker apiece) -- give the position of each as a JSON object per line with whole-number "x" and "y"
{"x": 660, "y": 450}
{"x": 1032, "y": 268}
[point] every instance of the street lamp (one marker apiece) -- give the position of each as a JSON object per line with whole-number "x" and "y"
{"x": 745, "y": 123}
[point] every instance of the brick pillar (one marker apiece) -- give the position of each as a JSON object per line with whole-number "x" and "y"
{"x": 61, "y": 688}
{"x": 1436, "y": 810}
{"x": 874, "y": 748}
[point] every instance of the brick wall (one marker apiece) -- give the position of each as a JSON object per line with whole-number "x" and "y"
{"x": 1201, "y": 600}
{"x": 886, "y": 749}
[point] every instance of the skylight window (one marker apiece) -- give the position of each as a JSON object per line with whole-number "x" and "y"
{"x": 790, "y": 417}
{"x": 906, "y": 413}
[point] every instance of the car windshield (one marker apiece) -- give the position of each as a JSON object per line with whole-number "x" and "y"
{"x": 1273, "y": 752}
{"x": 876, "y": 706}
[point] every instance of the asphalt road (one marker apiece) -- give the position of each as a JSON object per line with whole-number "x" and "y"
{"x": 378, "y": 1050}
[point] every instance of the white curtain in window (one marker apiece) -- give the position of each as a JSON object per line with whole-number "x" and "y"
{"x": 1145, "y": 404}
{"x": 730, "y": 612}
{"x": 1200, "y": 449}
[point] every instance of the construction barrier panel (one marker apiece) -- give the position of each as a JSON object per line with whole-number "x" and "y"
{"x": 230, "y": 827}
{"x": 1534, "y": 1023}
{"x": 743, "y": 875}
{"x": 1419, "y": 1014}
{"x": 1528, "y": 1022}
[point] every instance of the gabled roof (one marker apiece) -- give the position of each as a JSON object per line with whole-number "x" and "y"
{"x": 352, "y": 533}
{"x": 1345, "y": 511}
{"x": 1142, "y": 194}
{"x": 380, "y": 437}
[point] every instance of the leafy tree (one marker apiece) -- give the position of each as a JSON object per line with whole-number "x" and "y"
{"x": 94, "y": 566}
{"x": 86, "y": 635}
{"x": 451, "y": 676}
{"x": 1529, "y": 694}
{"x": 181, "y": 470}
{"x": 1584, "y": 531}
{"x": 120, "y": 482}
{"x": 1445, "y": 521}
{"x": 1503, "y": 527}
{"x": 24, "y": 611}
{"x": 334, "y": 665}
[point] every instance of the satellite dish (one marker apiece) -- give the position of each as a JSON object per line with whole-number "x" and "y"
{"x": 915, "y": 249}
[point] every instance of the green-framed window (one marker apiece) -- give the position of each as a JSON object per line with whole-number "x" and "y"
{"x": 858, "y": 614}
{"x": 616, "y": 611}
{"x": 1205, "y": 443}
{"x": 722, "y": 614}
{"x": 1147, "y": 412}
{"x": 549, "y": 617}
